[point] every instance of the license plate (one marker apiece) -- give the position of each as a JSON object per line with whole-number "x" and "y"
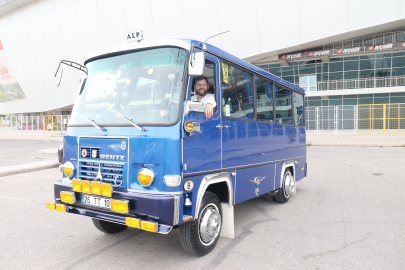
{"x": 96, "y": 201}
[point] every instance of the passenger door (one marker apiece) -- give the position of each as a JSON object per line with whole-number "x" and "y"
{"x": 202, "y": 150}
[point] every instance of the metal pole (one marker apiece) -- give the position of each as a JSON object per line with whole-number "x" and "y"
{"x": 317, "y": 120}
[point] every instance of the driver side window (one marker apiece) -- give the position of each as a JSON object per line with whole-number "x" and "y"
{"x": 199, "y": 84}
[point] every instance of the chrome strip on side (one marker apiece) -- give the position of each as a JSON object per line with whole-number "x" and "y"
{"x": 239, "y": 167}
{"x": 155, "y": 193}
{"x": 176, "y": 213}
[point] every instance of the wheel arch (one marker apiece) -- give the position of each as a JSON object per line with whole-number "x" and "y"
{"x": 287, "y": 165}
{"x": 213, "y": 183}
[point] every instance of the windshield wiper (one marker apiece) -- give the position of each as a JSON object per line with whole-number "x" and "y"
{"x": 129, "y": 120}
{"x": 92, "y": 122}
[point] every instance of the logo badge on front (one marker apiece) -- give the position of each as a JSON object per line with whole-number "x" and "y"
{"x": 123, "y": 145}
{"x": 84, "y": 153}
{"x": 99, "y": 176}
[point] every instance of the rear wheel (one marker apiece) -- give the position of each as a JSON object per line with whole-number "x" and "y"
{"x": 108, "y": 227}
{"x": 200, "y": 236}
{"x": 287, "y": 188}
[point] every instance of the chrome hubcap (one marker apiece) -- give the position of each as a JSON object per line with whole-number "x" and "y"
{"x": 210, "y": 224}
{"x": 289, "y": 185}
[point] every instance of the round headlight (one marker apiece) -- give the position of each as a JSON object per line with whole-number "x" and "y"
{"x": 145, "y": 177}
{"x": 68, "y": 168}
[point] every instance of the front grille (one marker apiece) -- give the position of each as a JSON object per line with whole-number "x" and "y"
{"x": 89, "y": 152}
{"x": 110, "y": 172}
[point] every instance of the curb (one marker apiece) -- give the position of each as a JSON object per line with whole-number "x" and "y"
{"x": 28, "y": 167}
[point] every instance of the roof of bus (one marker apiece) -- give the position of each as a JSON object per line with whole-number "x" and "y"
{"x": 232, "y": 58}
{"x": 185, "y": 43}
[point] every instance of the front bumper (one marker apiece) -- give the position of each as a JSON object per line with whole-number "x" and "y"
{"x": 163, "y": 209}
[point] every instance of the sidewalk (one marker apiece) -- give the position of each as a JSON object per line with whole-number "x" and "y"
{"x": 28, "y": 167}
{"x": 55, "y": 137}
{"x": 369, "y": 140}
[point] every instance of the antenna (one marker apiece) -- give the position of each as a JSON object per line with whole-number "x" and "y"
{"x": 203, "y": 44}
{"x": 216, "y": 35}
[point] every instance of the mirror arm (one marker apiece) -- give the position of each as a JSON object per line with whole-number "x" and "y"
{"x": 192, "y": 56}
{"x": 73, "y": 65}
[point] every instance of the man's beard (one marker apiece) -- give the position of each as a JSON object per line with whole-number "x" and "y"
{"x": 201, "y": 93}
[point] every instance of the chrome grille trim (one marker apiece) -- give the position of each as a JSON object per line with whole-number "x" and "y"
{"x": 176, "y": 214}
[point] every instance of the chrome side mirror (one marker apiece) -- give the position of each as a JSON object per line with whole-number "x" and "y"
{"x": 196, "y": 65}
{"x": 59, "y": 77}
{"x": 193, "y": 106}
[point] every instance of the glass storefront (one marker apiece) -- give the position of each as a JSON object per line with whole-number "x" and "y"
{"x": 342, "y": 68}
{"x": 381, "y": 98}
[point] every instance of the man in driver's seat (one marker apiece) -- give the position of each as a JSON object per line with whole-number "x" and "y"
{"x": 201, "y": 88}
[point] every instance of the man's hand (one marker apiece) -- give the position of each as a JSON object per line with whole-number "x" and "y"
{"x": 208, "y": 110}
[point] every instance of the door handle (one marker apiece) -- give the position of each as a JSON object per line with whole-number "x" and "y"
{"x": 227, "y": 126}
{"x": 219, "y": 126}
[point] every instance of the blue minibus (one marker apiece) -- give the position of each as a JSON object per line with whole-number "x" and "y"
{"x": 172, "y": 134}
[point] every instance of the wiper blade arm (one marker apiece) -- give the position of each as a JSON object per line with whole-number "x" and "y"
{"x": 92, "y": 122}
{"x": 129, "y": 120}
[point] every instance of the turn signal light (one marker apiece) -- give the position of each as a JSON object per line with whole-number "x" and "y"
{"x": 189, "y": 126}
{"x": 67, "y": 197}
{"x": 60, "y": 208}
{"x": 95, "y": 188}
{"x": 172, "y": 180}
{"x": 149, "y": 226}
{"x": 132, "y": 222}
{"x": 86, "y": 187}
{"x": 119, "y": 206}
{"x": 106, "y": 189}
{"x": 76, "y": 185}
{"x": 50, "y": 205}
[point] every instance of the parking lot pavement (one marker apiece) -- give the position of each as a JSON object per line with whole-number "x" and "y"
{"x": 13, "y": 152}
{"x": 348, "y": 214}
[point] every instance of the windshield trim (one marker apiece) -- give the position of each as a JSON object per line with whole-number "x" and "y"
{"x": 182, "y": 95}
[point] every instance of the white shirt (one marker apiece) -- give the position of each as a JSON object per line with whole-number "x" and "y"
{"x": 209, "y": 98}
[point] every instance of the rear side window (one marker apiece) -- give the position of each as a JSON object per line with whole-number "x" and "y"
{"x": 237, "y": 92}
{"x": 283, "y": 105}
{"x": 298, "y": 109}
{"x": 264, "y": 100}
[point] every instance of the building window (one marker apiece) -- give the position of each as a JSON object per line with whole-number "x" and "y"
{"x": 308, "y": 83}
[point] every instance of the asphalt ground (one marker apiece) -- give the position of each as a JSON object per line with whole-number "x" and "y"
{"x": 349, "y": 213}
{"x": 20, "y": 152}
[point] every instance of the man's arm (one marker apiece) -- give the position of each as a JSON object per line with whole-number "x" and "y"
{"x": 210, "y": 105}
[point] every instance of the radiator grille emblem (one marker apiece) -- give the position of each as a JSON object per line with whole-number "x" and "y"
{"x": 84, "y": 153}
{"x": 123, "y": 145}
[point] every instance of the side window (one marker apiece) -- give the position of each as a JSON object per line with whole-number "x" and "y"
{"x": 201, "y": 84}
{"x": 283, "y": 105}
{"x": 264, "y": 100}
{"x": 298, "y": 109}
{"x": 237, "y": 92}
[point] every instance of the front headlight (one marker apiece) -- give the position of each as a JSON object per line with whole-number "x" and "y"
{"x": 145, "y": 177}
{"x": 68, "y": 168}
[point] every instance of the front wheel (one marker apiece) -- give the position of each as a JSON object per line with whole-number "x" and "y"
{"x": 287, "y": 188}
{"x": 200, "y": 236}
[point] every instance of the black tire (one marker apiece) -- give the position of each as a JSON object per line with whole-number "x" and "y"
{"x": 270, "y": 197}
{"x": 190, "y": 237}
{"x": 280, "y": 194}
{"x": 108, "y": 227}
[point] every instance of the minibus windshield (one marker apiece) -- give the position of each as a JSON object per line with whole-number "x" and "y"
{"x": 144, "y": 86}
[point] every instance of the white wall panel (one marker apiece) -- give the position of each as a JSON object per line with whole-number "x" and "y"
{"x": 41, "y": 33}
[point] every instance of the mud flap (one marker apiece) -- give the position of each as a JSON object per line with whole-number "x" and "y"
{"x": 228, "y": 225}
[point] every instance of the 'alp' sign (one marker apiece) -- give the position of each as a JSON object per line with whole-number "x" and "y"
{"x": 134, "y": 36}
